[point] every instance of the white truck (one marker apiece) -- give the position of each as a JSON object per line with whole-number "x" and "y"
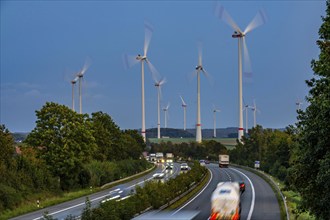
{"x": 225, "y": 201}
{"x": 223, "y": 160}
{"x": 160, "y": 157}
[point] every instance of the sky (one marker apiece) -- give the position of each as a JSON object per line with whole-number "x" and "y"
{"x": 44, "y": 43}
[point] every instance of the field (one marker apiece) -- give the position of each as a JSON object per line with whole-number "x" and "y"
{"x": 228, "y": 142}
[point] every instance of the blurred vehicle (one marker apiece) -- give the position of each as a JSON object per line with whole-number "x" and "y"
{"x": 225, "y": 201}
{"x": 241, "y": 186}
{"x": 169, "y": 166}
{"x": 202, "y": 162}
{"x": 158, "y": 175}
{"x": 184, "y": 166}
{"x": 223, "y": 160}
{"x": 207, "y": 162}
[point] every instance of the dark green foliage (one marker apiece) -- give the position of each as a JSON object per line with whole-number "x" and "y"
{"x": 206, "y": 150}
{"x": 105, "y": 172}
{"x": 271, "y": 147}
{"x": 311, "y": 162}
{"x": 64, "y": 140}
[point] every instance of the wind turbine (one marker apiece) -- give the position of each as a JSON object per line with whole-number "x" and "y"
{"x": 73, "y": 82}
{"x": 184, "y": 106}
{"x": 298, "y": 104}
{"x": 129, "y": 61}
{"x": 199, "y": 68}
{"x": 80, "y": 75}
{"x": 254, "y": 109}
{"x": 258, "y": 20}
{"x": 166, "y": 113}
{"x": 246, "y": 108}
{"x": 158, "y": 85}
{"x": 215, "y": 110}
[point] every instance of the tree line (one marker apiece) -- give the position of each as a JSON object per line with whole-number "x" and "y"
{"x": 66, "y": 151}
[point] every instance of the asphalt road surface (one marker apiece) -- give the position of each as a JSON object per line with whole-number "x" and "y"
{"x": 258, "y": 201}
{"x": 119, "y": 192}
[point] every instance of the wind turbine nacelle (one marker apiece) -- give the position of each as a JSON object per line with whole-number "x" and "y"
{"x": 237, "y": 35}
{"x": 199, "y": 67}
{"x": 139, "y": 57}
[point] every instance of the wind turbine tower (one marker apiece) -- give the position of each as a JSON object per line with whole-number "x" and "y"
{"x": 254, "y": 109}
{"x": 298, "y": 104}
{"x": 258, "y": 20}
{"x": 215, "y": 122}
{"x": 199, "y": 68}
{"x": 184, "y": 106}
{"x": 73, "y": 82}
{"x": 80, "y": 75}
{"x": 166, "y": 114}
{"x": 158, "y": 85}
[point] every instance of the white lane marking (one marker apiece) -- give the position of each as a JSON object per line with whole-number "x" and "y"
{"x": 197, "y": 194}
{"x": 229, "y": 177}
{"x": 71, "y": 207}
{"x": 112, "y": 198}
{"x": 253, "y": 194}
{"x": 139, "y": 182}
{"x": 121, "y": 191}
{"x": 126, "y": 197}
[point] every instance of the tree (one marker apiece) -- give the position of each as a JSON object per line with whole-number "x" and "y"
{"x": 312, "y": 156}
{"x": 6, "y": 146}
{"x": 107, "y": 136}
{"x": 65, "y": 141}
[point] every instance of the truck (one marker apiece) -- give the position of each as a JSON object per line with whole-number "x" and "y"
{"x": 223, "y": 160}
{"x": 160, "y": 157}
{"x": 225, "y": 201}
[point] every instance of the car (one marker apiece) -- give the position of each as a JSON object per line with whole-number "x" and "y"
{"x": 184, "y": 166}
{"x": 207, "y": 162}
{"x": 241, "y": 186}
{"x": 202, "y": 162}
{"x": 169, "y": 166}
{"x": 158, "y": 175}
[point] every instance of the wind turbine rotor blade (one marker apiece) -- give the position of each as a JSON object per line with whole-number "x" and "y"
{"x": 257, "y": 21}
{"x": 86, "y": 66}
{"x": 183, "y": 103}
{"x": 247, "y": 62}
{"x": 223, "y": 15}
{"x": 154, "y": 73}
{"x": 148, "y": 29}
{"x": 129, "y": 61}
{"x": 208, "y": 76}
{"x": 200, "y": 53}
{"x": 162, "y": 82}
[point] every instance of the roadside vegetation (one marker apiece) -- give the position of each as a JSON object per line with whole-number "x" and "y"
{"x": 65, "y": 152}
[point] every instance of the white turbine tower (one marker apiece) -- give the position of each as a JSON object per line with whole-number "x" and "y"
{"x": 80, "y": 75}
{"x": 254, "y": 109}
{"x": 215, "y": 110}
{"x": 166, "y": 114}
{"x": 199, "y": 68}
{"x": 246, "y": 109}
{"x": 298, "y": 104}
{"x": 184, "y": 106}
{"x": 258, "y": 20}
{"x": 73, "y": 82}
{"x": 130, "y": 61}
{"x": 158, "y": 85}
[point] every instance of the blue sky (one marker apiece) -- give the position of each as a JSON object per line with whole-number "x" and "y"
{"x": 43, "y": 43}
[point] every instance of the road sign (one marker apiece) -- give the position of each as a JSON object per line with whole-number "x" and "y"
{"x": 257, "y": 164}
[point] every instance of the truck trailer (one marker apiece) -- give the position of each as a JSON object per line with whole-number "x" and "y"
{"x": 225, "y": 201}
{"x": 223, "y": 160}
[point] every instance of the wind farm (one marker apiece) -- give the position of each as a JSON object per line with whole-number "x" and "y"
{"x": 127, "y": 91}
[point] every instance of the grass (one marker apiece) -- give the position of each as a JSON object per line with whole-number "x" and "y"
{"x": 51, "y": 199}
{"x": 228, "y": 142}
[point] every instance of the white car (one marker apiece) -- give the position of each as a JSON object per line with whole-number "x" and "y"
{"x": 184, "y": 166}
{"x": 158, "y": 175}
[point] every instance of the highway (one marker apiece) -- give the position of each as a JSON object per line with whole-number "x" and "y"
{"x": 122, "y": 191}
{"x": 258, "y": 201}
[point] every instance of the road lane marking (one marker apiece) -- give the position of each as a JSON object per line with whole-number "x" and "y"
{"x": 197, "y": 194}
{"x": 253, "y": 194}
